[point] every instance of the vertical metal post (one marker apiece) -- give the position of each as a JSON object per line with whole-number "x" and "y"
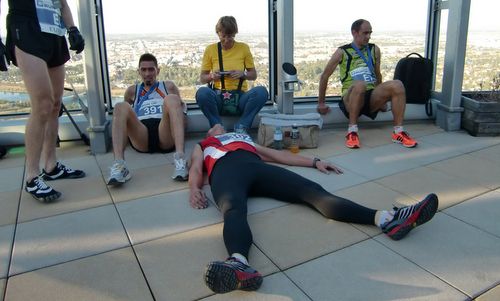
{"x": 284, "y": 10}
{"x": 96, "y": 73}
{"x": 449, "y": 111}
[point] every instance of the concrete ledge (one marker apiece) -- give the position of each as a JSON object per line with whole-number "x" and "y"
{"x": 12, "y": 128}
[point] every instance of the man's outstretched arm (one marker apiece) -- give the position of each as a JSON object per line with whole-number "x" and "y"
{"x": 197, "y": 198}
{"x": 288, "y": 158}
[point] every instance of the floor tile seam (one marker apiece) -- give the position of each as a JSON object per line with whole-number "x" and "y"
{"x": 429, "y": 272}
{"x": 368, "y": 237}
{"x": 131, "y": 245}
{"x": 486, "y": 290}
{"x": 64, "y": 213}
{"x": 14, "y": 233}
{"x": 141, "y": 197}
{"x": 496, "y": 236}
{"x": 68, "y": 261}
{"x": 173, "y": 233}
{"x": 193, "y": 229}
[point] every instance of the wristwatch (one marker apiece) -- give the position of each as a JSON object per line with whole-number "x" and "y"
{"x": 315, "y": 162}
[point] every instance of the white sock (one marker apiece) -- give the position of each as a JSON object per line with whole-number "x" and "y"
{"x": 398, "y": 129}
{"x": 352, "y": 128}
{"x": 178, "y": 155}
{"x": 240, "y": 257}
{"x": 383, "y": 216}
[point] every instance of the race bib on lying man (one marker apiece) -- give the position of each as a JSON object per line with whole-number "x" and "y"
{"x": 235, "y": 137}
{"x": 49, "y": 16}
{"x": 363, "y": 74}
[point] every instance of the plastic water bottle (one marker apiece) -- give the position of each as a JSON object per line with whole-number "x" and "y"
{"x": 294, "y": 146}
{"x": 278, "y": 138}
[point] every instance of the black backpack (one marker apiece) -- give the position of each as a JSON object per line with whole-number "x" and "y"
{"x": 416, "y": 75}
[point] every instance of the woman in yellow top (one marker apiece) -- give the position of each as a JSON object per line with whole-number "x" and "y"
{"x": 238, "y": 66}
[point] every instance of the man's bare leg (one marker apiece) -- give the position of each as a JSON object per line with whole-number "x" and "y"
{"x": 171, "y": 131}
{"x": 37, "y": 82}
{"x": 125, "y": 125}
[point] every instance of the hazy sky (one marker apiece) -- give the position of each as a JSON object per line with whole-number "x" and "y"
{"x": 154, "y": 16}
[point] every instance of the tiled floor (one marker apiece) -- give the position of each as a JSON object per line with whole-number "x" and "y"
{"x": 142, "y": 241}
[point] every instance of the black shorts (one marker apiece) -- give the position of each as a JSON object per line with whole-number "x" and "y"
{"x": 365, "y": 110}
{"x": 25, "y": 33}
{"x": 153, "y": 137}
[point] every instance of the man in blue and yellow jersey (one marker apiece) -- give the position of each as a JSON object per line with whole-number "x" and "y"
{"x": 363, "y": 92}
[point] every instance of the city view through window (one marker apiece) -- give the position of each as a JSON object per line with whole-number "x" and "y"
{"x": 180, "y": 56}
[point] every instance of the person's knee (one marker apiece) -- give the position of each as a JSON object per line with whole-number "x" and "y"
{"x": 203, "y": 95}
{"x": 358, "y": 87}
{"x": 121, "y": 108}
{"x": 172, "y": 102}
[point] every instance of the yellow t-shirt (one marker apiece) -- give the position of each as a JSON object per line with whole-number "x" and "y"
{"x": 236, "y": 58}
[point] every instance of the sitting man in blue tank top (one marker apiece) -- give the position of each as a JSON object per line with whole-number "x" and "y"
{"x": 363, "y": 92}
{"x": 237, "y": 169}
{"x": 152, "y": 118}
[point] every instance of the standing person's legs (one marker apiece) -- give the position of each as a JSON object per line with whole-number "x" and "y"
{"x": 56, "y": 75}
{"x": 210, "y": 104}
{"x": 251, "y": 103}
{"x": 37, "y": 82}
{"x": 36, "y": 79}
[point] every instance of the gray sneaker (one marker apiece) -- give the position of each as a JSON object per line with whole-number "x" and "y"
{"x": 119, "y": 173}
{"x": 181, "y": 170}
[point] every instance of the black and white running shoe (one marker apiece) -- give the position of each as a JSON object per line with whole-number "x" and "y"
{"x": 408, "y": 217}
{"x": 62, "y": 172}
{"x": 225, "y": 276}
{"x": 41, "y": 191}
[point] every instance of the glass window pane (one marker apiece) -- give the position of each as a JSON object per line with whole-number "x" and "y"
{"x": 322, "y": 26}
{"x": 177, "y": 35}
{"x": 481, "y": 71}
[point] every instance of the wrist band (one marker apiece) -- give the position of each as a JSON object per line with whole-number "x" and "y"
{"x": 315, "y": 162}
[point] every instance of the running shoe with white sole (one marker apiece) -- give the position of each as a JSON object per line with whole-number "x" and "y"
{"x": 352, "y": 140}
{"x": 404, "y": 139}
{"x": 61, "y": 171}
{"x": 119, "y": 173}
{"x": 41, "y": 191}
{"x": 181, "y": 169}
{"x": 225, "y": 276}
{"x": 408, "y": 217}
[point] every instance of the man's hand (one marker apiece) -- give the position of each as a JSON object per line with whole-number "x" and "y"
{"x": 3, "y": 57}
{"x": 197, "y": 198}
{"x": 76, "y": 40}
{"x": 326, "y": 167}
{"x": 323, "y": 108}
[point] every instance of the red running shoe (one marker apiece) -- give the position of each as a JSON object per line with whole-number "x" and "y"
{"x": 352, "y": 140}
{"x": 404, "y": 139}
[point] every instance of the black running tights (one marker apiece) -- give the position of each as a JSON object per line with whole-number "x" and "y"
{"x": 242, "y": 174}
